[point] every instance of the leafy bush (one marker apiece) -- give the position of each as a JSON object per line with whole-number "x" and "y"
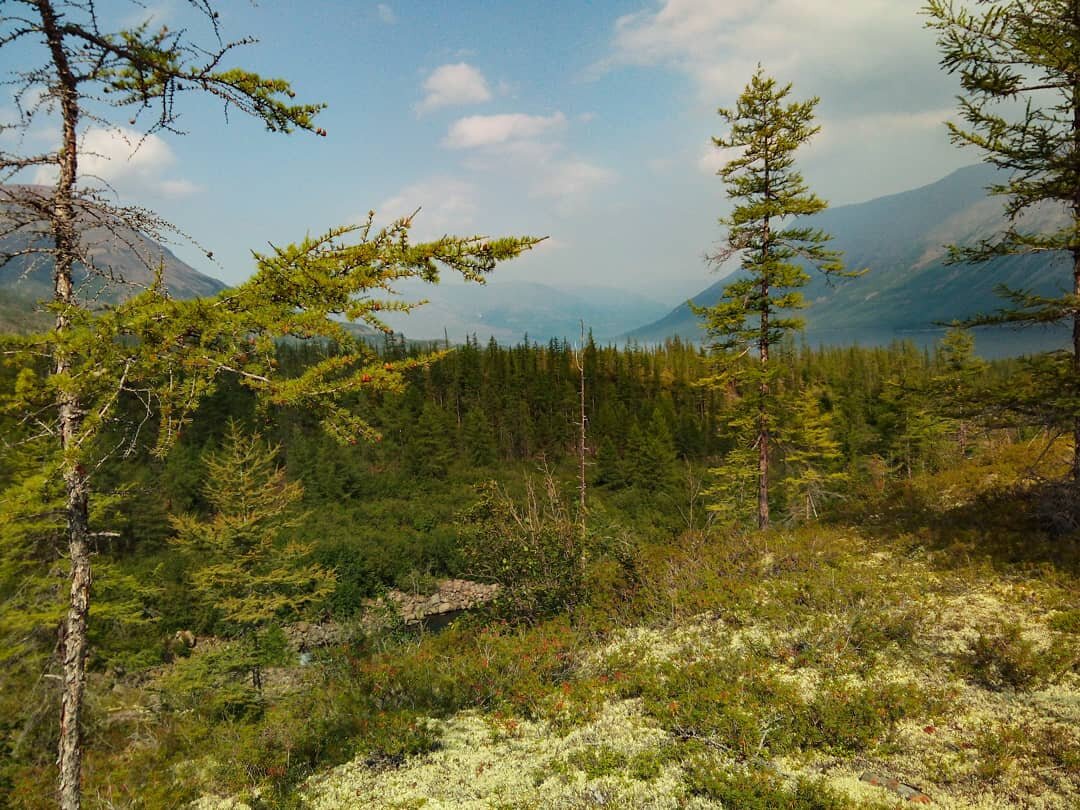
{"x": 536, "y": 551}
{"x": 1067, "y": 621}
{"x": 853, "y": 719}
{"x": 736, "y": 705}
{"x": 217, "y": 683}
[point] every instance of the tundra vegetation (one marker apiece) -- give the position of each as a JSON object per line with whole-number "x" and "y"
{"x": 908, "y": 617}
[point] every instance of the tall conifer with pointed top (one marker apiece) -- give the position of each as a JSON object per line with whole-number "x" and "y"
{"x": 751, "y": 316}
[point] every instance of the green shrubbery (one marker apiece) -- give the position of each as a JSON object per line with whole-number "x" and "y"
{"x": 1006, "y": 659}
{"x": 759, "y": 790}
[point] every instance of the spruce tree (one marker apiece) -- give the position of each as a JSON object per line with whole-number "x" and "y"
{"x": 477, "y": 439}
{"x": 1020, "y": 71}
{"x": 752, "y": 315}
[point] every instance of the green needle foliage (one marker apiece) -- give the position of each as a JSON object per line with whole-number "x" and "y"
{"x": 238, "y": 569}
{"x": 1019, "y": 67}
{"x": 767, "y": 130}
{"x": 812, "y": 457}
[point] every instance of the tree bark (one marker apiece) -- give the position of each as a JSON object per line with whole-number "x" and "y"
{"x": 763, "y": 417}
{"x": 763, "y": 354}
{"x": 1076, "y": 268}
{"x": 73, "y": 642}
{"x": 581, "y": 430}
{"x": 1076, "y": 369}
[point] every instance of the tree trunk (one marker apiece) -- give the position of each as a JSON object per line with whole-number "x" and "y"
{"x": 763, "y": 388}
{"x": 763, "y": 416}
{"x": 581, "y": 430}
{"x": 1076, "y": 267}
{"x": 73, "y": 641}
{"x": 1076, "y": 370}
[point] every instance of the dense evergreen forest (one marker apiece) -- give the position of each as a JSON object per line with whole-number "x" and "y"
{"x": 490, "y": 412}
{"x": 475, "y": 431}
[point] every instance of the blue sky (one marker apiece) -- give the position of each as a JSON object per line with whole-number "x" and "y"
{"x": 588, "y": 122}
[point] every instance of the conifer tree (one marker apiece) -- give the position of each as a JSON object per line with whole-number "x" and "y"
{"x": 430, "y": 448}
{"x": 751, "y": 316}
{"x": 477, "y": 439}
{"x": 1018, "y": 66}
{"x": 812, "y": 457}
{"x": 238, "y": 568}
{"x": 650, "y": 460}
{"x": 959, "y": 386}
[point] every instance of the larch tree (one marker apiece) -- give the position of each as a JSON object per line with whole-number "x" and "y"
{"x": 1019, "y": 67}
{"x": 812, "y": 455}
{"x": 752, "y": 315}
{"x": 238, "y": 568}
{"x": 168, "y": 355}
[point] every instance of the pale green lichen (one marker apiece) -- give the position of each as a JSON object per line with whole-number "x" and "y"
{"x": 217, "y": 803}
{"x": 480, "y": 766}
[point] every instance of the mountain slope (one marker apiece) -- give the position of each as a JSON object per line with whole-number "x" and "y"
{"x": 908, "y": 288}
{"x": 125, "y": 254}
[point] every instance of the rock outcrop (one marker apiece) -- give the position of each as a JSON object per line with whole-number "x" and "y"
{"x": 450, "y": 597}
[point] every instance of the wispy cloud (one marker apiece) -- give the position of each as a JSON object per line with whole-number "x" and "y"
{"x": 453, "y": 85}
{"x": 488, "y": 130}
{"x": 572, "y": 178}
{"x": 857, "y": 47}
{"x": 386, "y": 14}
{"x": 447, "y": 205}
{"x": 128, "y": 160}
{"x": 531, "y": 150}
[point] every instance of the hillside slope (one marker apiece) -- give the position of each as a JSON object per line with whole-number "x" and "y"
{"x": 908, "y": 289}
{"x": 125, "y": 254}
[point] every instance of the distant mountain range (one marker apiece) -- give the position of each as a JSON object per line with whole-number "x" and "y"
{"x": 510, "y": 310}
{"x": 909, "y": 290}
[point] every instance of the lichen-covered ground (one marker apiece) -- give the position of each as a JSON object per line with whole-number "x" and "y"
{"x": 829, "y": 660}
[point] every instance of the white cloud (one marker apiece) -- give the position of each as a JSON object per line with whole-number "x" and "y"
{"x": 572, "y": 178}
{"x": 491, "y": 130}
{"x": 860, "y": 55}
{"x": 386, "y": 14}
{"x": 712, "y": 159}
{"x": 872, "y": 62}
{"x": 880, "y": 124}
{"x": 721, "y": 43}
{"x": 128, "y": 160}
{"x": 453, "y": 85}
{"x": 447, "y": 205}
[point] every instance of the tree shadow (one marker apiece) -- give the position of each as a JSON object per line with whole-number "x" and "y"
{"x": 1034, "y": 527}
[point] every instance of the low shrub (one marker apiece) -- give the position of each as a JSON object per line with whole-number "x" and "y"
{"x": 758, "y": 790}
{"x": 1006, "y": 659}
{"x": 844, "y": 718}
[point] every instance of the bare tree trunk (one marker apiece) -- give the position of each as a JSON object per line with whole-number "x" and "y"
{"x": 73, "y": 642}
{"x": 1076, "y": 266}
{"x": 1076, "y": 366}
{"x": 763, "y": 390}
{"x": 581, "y": 428}
{"x": 763, "y": 418}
